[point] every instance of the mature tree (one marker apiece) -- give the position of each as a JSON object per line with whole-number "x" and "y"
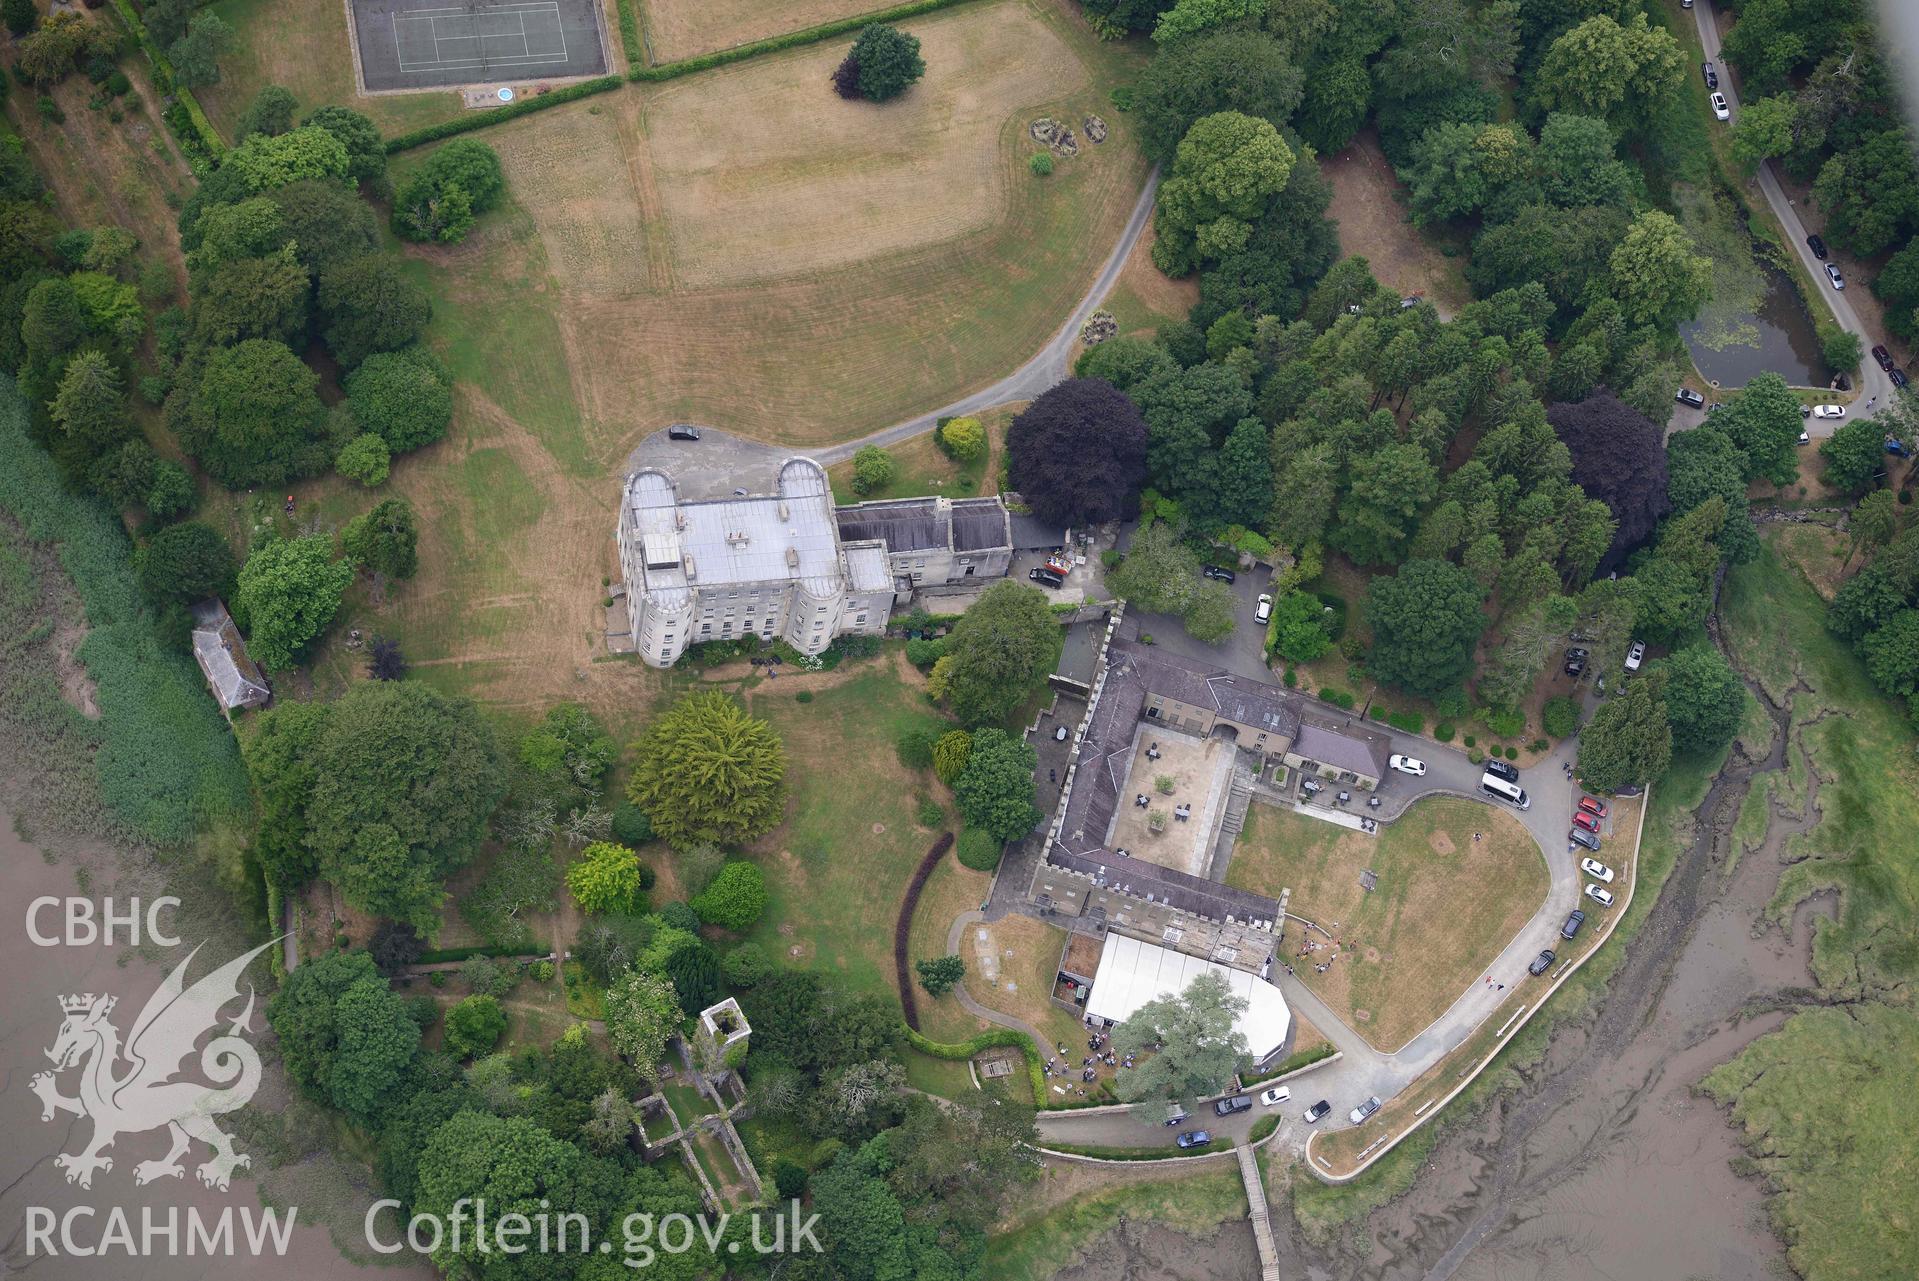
{"x": 1188, "y": 1043}
{"x": 1299, "y": 627}
{"x": 735, "y": 899}
{"x": 184, "y": 563}
{"x": 264, "y": 297}
{"x": 1529, "y": 634}
{"x": 995, "y": 790}
{"x": 268, "y": 162}
{"x": 706, "y": 770}
{"x": 1388, "y": 487}
{"x": 964, "y": 438}
{"x": 474, "y": 1027}
{"x": 252, "y": 417}
{"x": 968, "y": 1156}
{"x": 448, "y": 192}
{"x": 1763, "y": 421}
{"x": 404, "y": 780}
{"x": 1077, "y": 454}
{"x": 859, "y": 1100}
{"x": 1335, "y": 104}
{"x": 404, "y": 397}
{"x": 642, "y": 1014}
{"x": 873, "y": 470}
{"x": 1656, "y": 275}
{"x": 605, "y": 877}
{"x": 1243, "y": 71}
{"x": 195, "y": 55}
{"x": 1705, "y": 699}
{"x": 345, "y": 1037}
{"x": 1213, "y": 613}
{"x": 365, "y": 149}
{"x": 1619, "y": 458}
{"x": 1606, "y": 69}
{"x": 1160, "y": 574}
{"x": 1002, "y": 646}
{"x": 1226, "y": 171}
{"x": 21, "y": 16}
{"x": 1629, "y": 741}
{"x": 515, "y": 1168}
{"x": 383, "y": 540}
{"x": 1871, "y": 192}
{"x": 889, "y": 61}
{"x": 1874, "y": 521}
{"x": 270, "y": 112}
{"x": 1763, "y": 130}
{"x": 90, "y": 406}
{"x": 366, "y": 459}
{"x": 1241, "y": 486}
{"x": 1458, "y": 169}
{"x": 369, "y": 306}
{"x": 939, "y": 974}
{"x": 1892, "y": 654}
{"x": 251, "y": 228}
{"x": 1704, "y": 464}
{"x": 325, "y": 221}
{"x": 289, "y": 590}
{"x": 1576, "y": 165}
{"x": 846, "y": 77}
{"x": 1189, "y": 18}
{"x": 1284, "y": 256}
{"x": 950, "y": 752}
{"x": 1426, "y": 620}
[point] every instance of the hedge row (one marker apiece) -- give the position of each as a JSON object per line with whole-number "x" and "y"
{"x": 630, "y": 34}
{"x": 903, "y": 926}
{"x": 1291, "y": 1063}
{"x": 481, "y": 949}
{"x": 209, "y": 136}
{"x": 791, "y": 40}
{"x": 472, "y": 120}
{"x": 1139, "y": 1154}
{"x": 985, "y": 1041}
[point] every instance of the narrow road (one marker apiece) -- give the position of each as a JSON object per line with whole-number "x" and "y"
{"x": 1873, "y": 384}
{"x": 1047, "y": 367}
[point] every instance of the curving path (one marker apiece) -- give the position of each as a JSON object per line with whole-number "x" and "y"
{"x": 1047, "y": 367}
{"x": 1873, "y": 384}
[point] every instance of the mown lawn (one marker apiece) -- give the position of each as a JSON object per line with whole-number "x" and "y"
{"x": 923, "y": 468}
{"x": 1443, "y": 907}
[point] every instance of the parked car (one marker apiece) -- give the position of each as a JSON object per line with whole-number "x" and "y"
{"x": 1601, "y": 896}
{"x": 1219, "y": 573}
{"x": 1832, "y": 274}
{"x": 1237, "y": 1103}
{"x": 1175, "y": 1114}
{"x": 1585, "y": 820}
{"x": 1805, "y": 437}
{"x": 1711, "y": 73}
{"x": 1595, "y": 869}
{"x": 681, "y": 431}
{"x": 1541, "y": 963}
{"x": 1576, "y": 661}
{"x": 1721, "y": 109}
{"x": 1502, "y": 769}
{"x": 1041, "y": 574}
{"x": 1264, "y": 609}
{"x": 1312, "y": 1114}
{"x": 1364, "y": 1110}
{"x": 1061, "y": 733}
{"x": 1883, "y": 356}
{"x": 1407, "y": 765}
{"x": 1580, "y": 836}
{"x": 1594, "y": 806}
{"x": 1635, "y": 655}
{"x": 1275, "y": 1096}
{"x": 1828, "y": 411}
{"x": 1574, "y": 920}
{"x": 1818, "y": 246}
{"x": 1687, "y": 396}
{"x": 1194, "y": 1139}
{"x": 1898, "y": 377}
{"x": 1060, "y": 563}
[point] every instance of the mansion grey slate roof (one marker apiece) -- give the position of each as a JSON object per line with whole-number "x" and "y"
{"x": 1348, "y": 747}
{"x": 1031, "y": 534}
{"x": 980, "y": 524}
{"x": 908, "y": 525}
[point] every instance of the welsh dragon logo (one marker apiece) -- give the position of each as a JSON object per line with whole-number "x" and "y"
{"x": 133, "y": 1088}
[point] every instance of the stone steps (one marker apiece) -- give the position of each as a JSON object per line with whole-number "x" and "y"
{"x": 1262, "y": 1223}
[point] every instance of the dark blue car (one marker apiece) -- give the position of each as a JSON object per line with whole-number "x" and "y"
{"x": 1194, "y": 1139}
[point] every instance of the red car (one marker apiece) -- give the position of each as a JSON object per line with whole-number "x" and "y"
{"x": 1593, "y": 807}
{"x": 1585, "y": 820}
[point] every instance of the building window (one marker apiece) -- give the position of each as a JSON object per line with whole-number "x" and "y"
{"x": 1153, "y": 712}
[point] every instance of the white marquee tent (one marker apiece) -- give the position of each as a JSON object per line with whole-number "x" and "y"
{"x": 1131, "y": 973}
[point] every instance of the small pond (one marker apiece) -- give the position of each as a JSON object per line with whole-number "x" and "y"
{"x": 1774, "y": 336}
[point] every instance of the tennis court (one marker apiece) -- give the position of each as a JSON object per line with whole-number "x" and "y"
{"x": 432, "y": 44}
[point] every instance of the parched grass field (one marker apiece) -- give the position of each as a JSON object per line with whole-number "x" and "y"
{"x": 677, "y": 29}
{"x": 1444, "y": 905}
{"x": 1369, "y": 207}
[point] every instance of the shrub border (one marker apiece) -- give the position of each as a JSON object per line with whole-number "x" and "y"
{"x": 791, "y": 40}
{"x": 630, "y": 35}
{"x": 209, "y": 136}
{"x": 442, "y": 955}
{"x": 903, "y": 926}
{"x": 1292, "y": 1063}
{"x": 1004, "y": 1036}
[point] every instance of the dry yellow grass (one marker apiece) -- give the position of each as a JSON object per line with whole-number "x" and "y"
{"x": 802, "y": 180}
{"x": 1444, "y": 906}
{"x": 682, "y": 28}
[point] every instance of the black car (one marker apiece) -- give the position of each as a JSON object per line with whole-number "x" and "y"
{"x": 1883, "y": 356}
{"x": 1575, "y": 667}
{"x": 1541, "y": 963}
{"x": 1573, "y": 921}
{"x": 1501, "y": 769}
{"x": 1817, "y": 246}
{"x": 1898, "y": 377}
{"x": 1045, "y": 575}
{"x": 1707, "y": 70}
{"x": 1215, "y": 571}
{"x": 1316, "y": 1111}
{"x": 1687, "y": 396}
{"x": 1238, "y": 1103}
{"x": 680, "y": 431}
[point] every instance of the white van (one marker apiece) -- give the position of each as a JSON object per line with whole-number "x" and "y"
{"x": 1494, "y": 785}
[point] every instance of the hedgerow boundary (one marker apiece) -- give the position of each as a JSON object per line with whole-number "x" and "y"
{"x": 167, "y": 82}
{"x": 637, "y": 71}
{"x": 904, "y": 926}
